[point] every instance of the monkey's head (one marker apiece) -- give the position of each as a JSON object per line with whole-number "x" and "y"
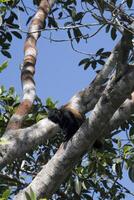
{"x": 55, "y": 115}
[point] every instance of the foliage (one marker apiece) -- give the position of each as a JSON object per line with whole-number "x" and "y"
{"x": 8, "y": 103}
{"x": 8, "y": 25}
{"x": 32, "y": 195}
{"x": 99, "y": 173}
{"x": 3, "y": 66}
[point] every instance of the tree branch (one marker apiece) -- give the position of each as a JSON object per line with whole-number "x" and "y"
{"x": 28, "y": 69}
{"x": 29, "y": 137}
{"x": 18, "y": 142}
{"x": 57, "y": 169}
{"x": 34, "y": 135}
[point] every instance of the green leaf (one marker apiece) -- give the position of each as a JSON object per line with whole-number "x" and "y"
{"x": 3, "y": 66}
{"x": 86, "y": 65}
{"x": 11, "y": 90}
{"x": 105, "y": 54}
{"x": 14, "y": 15}
{"x": 78, "y": 16}
{"x": 20, "y": 8}
{"x": 101, "y": 3}
{"x": 16, "y": 34}
{"x": 113, "y": 33}
{"x": 60, "y": 15}
{"x": 119, "y": 143}
{"x": 77, "y": 186}
{"x": 4, "y": 1}
{"x": 6, "y": 53}
{"x": 15, "y": 26}
{"x": 107, "y": 28}
{"x": 9, "y": 36}
{"x": 83, "y": 185}
{"x": 69, "y": 34}
{"x": 77, "y": 34}
{"x": 2, "y": 89}
{"x": 50, "y": 103}
{"x": 27, "y": 196}
{"x": 68, "y": 24}
{"x": 129, "y": 3}
{"x": 5, "y": 46}
{"x": 3, "y": 9}
{"x": 1, "y": 20}
{"x": 131, "y": 173}
{"x": 99, "y": 51}
{"x": 6, "y": 194}
{"x": 127, "y": 149}
{"x": 52, "y": 22}
{"x": 85, "y": 60}
{"x": 119, "y": 170}
{"x": 101, "y": 62}
{"x": 73, "y": 13}
{"x": 32, "y": 194}
{"x": 94, "y": 64}
{"x": 40, "y": 116}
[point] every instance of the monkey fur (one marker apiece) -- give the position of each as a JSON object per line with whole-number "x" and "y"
{"x": 69, "y": 121}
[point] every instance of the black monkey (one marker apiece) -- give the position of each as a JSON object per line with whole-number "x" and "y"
{"x": 69, "y": 121}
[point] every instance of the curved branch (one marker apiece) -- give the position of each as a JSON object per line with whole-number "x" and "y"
{"x": 20, "y": 141}
{"x": 28, "y": 69}
{"x": 122, "y": 114}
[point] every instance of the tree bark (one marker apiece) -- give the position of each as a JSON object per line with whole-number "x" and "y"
{"x": 58, "y": 168}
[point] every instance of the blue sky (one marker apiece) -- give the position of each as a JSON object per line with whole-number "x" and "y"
{"x": 57, "y": 72}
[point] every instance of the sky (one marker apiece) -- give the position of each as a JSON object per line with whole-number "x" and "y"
{"x": 57, "y": 72}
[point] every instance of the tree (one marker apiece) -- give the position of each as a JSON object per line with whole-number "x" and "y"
{"x": 34, "y": 160}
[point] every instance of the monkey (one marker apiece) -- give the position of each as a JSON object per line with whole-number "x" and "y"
{"x": 69, "y": 120}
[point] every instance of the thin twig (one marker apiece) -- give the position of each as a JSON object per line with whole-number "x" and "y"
{"x": 24, "y": 7}
{"x": 56, "y": 28}
{"x": 127, "y": 190}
